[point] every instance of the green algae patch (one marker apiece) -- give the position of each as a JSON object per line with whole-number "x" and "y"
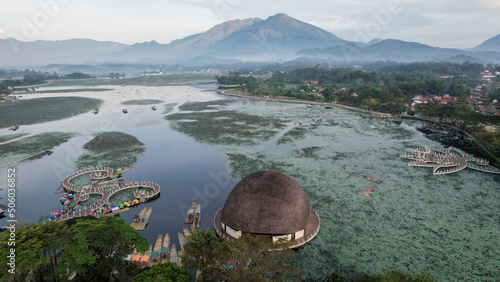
{"x": 9, "y": 137}
{"x": 143, "y": 102}
{"x": 29, "y": 146}
{"x": 226, "y": 127}
{"x": 111, "y": 149}
{"x": 242, "y": 165}
{"x": 168, "y": 108}
{"x": 443, "y": 226}
{"x": 293, "y": 135}
{"x": 40, "y": 110}
{"x": 201, "y": 106}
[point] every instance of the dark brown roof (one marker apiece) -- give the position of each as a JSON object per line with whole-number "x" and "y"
{"x": 267, "y": 202}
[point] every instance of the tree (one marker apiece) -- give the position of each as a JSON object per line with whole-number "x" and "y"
{"x": 206, "y": 252}
{"x": 36, "y": 249}
{"x": 97, "y": 248}
{"x": 262, "y": 261}
{"x": 164, "y": 272}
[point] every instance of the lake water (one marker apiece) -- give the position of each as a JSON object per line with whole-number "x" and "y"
{"x": 446, "y": 226}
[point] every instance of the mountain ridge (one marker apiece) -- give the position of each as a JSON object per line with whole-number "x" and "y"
{"x": 279, "y": 37}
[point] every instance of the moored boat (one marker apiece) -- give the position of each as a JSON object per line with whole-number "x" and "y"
{"x": 197, "y": 216}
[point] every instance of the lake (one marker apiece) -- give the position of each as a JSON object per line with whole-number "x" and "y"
{"x": 446, "y": 226}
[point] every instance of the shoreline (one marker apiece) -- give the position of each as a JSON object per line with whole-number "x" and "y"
{"x": 379, "y": 114}
{"x": 242, "y": 95}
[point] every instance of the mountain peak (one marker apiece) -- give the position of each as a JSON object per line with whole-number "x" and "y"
{"x": 492, "y": 44}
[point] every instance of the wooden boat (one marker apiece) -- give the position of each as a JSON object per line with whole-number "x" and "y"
{"x": 173, "y": 254}
{"x": 164, "y": 252}
{"x": 368, "y": 191}
{"x": 190, "y": 213}
{"x": 158, "y": 243}
{"x": 372, "y": 179}
{"x": 143, "y": 220}
{"x": 154, "y": 108}
{"x": 14, "y": 127}
{"x": 124, "y": 111}
{"x": 197, "y": 217}
{"x": 186, "y": 231}
{"x": 182, "y": 240}
{"x": 96, "y": 111}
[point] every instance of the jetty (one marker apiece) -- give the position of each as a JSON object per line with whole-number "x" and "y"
{"x": 82, "y": 194}
{"x": 164, "y": 252}
{"x": 372, "y": 179}
{"x": 190, "y": 213}
{"x": 173, "y": 254}
{"x": 182, "y": 240}
{"x": 368, "y": 191}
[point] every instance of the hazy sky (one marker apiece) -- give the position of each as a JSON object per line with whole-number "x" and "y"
{"x": 442, "y": 23}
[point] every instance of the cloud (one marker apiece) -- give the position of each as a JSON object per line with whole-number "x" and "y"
{"x": 2, "y": 34}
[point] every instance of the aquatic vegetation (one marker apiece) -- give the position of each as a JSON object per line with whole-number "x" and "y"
{"x": 200, "y": 106}
{"x": 32, "y": 145}
{"x": 398, "y": 226}
{"x": 111, "y": 149}
{"x": 41, "y": 110}
{"x": 9, "y": 137}
{"x": 73, "y": 90}
{"x": 295, "y": 134}
{"x": 143, "y": 102}
{"x": 168, "y": 108}
{"x": 226, "y": 127}
{"x": 242, "y": 165}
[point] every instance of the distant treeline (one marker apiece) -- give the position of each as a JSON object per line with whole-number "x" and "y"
{"x": 388, "y": 91}
{"x": 33, "y": 77}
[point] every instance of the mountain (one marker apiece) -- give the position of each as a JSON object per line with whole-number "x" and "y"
{"x": 276, "y": 37}
{"x": 18, "y": 53}
{"x": 492, "y": 44}
{"x": 277, "y": 34}
{"x": 395, "y": 50}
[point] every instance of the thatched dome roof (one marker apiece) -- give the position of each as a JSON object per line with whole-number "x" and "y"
{"x": 267, "y": 202}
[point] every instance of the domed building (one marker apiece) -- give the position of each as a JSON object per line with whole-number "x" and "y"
{"x": 269, "y": 205}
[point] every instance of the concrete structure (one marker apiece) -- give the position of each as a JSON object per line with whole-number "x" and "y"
{"x": 269, "y": 205}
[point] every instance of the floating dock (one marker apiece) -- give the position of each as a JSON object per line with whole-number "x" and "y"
{"x": 190, "y": 213}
